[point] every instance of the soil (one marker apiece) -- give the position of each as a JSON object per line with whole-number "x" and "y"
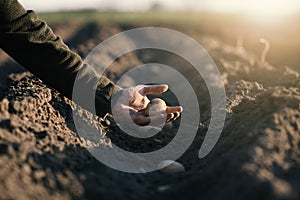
{"x": 257, "y": 156}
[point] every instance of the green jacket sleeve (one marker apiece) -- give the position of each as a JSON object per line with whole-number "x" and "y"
{"x": 33, "y": 44}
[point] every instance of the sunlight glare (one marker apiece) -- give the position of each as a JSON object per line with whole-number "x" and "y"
{"x": 269, "y": 10}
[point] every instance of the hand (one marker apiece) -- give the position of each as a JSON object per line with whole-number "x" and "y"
{"x": 130, "y": 104}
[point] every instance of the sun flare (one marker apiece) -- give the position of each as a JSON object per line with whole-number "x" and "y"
{"x": 269, "y": 10}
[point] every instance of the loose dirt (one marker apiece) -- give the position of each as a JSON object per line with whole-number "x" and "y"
{"x": 257, "y": 156}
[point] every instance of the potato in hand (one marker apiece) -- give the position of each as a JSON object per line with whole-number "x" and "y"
{"x": 155, "y": 107}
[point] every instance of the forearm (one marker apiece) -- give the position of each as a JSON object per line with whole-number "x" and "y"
{"x": 34, "y": 45}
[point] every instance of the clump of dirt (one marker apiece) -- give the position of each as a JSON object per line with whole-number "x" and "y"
{"x": 257, "y": 156}
{"x": 35, "y": 133}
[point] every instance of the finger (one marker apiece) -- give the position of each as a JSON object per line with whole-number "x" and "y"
{"x": 158, "y": 119}
{"x": 154, "y": 120}
{"x": 174, "y": 109}
{"x": 141, "y": 120}
{"x": 176, "y": 115}
{"x": 173, "y": 116}
{"x": 153, "y": 89}
{"x": 169, "y": 117}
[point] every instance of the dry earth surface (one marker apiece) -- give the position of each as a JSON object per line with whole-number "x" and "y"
{"x": 257, "y": 156}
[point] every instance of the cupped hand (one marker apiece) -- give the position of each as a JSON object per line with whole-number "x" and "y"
{"x": 130, "y": 104}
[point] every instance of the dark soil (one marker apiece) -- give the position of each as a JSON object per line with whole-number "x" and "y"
{"x": 257, "y": 156}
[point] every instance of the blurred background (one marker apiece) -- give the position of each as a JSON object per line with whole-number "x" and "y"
{"x": 235, "y": 22}
{"x": 274, "y": 7}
